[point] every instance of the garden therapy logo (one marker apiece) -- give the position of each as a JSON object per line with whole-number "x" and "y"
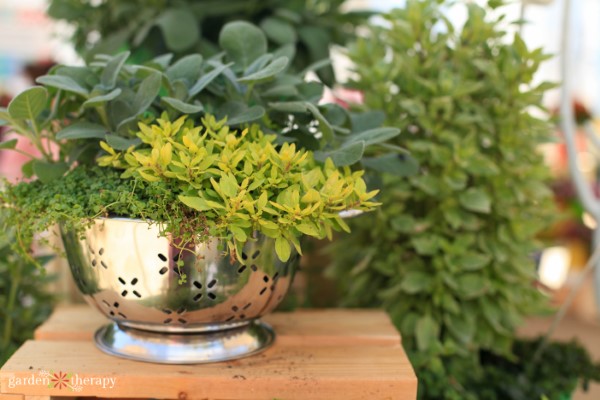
{"x": 60, "y": 380}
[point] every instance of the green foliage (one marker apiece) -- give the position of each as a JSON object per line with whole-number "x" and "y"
{"x": 79, "y": 106}
{"x": 239, "y": 183}
{"x": 449, "y": 255}
{"x": 556, "y": 375}
{"x": 24, "y": 300}
{"x": 302, "y": 28}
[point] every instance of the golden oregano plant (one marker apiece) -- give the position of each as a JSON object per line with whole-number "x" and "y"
{"x": 241, "y": 182}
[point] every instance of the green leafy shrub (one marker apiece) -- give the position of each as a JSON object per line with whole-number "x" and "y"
{"x": 302, "y": 28}
{"x": 449, "y": 255}
{"x": 556, "y": 375}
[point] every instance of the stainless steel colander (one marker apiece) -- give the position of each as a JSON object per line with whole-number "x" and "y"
{"x": 129, "y": 272}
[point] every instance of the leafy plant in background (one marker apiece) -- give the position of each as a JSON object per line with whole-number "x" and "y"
{"x": 79, "y": 106}
{"x": 449, "y": 256}
{"x": 24, "y": 299}
{"x": 302, "y": 30}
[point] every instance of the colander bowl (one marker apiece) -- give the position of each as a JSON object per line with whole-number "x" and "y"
{"x": 202, "y": 310}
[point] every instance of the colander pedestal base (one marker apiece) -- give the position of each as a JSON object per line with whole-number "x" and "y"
{"x": 184, "y": 348}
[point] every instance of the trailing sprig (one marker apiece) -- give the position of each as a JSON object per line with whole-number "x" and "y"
{"x": 240, "y": 182}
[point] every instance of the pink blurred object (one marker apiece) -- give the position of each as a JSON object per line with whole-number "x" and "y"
{"x": 343, "y": 96}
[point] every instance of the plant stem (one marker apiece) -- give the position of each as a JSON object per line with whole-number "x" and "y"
{"x": 589, "y": 266}
{"x": 12, "y": 298}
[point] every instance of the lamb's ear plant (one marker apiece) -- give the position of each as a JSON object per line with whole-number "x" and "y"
{"x": 77, "y": 107}
{"x": 299, "y": 28}
{"x": 450, "y": 253}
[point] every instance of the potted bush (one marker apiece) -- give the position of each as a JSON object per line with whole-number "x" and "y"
{"x": 182, "y": 189}
{"x": 449, "y": 255}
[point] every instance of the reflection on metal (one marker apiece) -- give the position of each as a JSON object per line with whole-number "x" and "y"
{"x": 130, "y": 273}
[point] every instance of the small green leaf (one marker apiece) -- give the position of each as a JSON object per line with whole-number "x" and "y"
{"x": 112, "y": 69}
{"x": 283, "y": 248}
{"x": 147, "y": 92}
{"x": 29, "y": 103}
{"x": 243, "y": 42}
{"x": 275, "y": 67}
{"x": 346, "y": 155}
{"x": 279, "y": 30}
{"x": 98, "y": 100}
{"x": 290, "y": 106}
{"x": 416, "y": 281}
{"x": 188, "y": 69}
{"x": 62, "y": 82}
{"x": 179, "y": 105}
{"x": 47, "y": 172}
{"x": 196, "y": 203}
{"x": 180, "y": 28}
{"x": 249, "y": 115}
{"x": 9, "y": 144}
{"x": 207, "y": 78}
{"x": 82, "y": 130}
{"x": 308, "y": 228}
{"x": 373, "y": 136}
{"x": 397, "y": 164}
{"x": 121, "y": 143}
{"x": 476, "y": 200}
{"x": 426, "y": 332}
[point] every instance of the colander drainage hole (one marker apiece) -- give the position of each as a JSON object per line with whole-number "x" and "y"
{"x": 244, "y": 256}
{"x": 242, "y": 316}
{"x": 212, "y": 283}
{"x": 198, "y": 297}
{"x": 265, "y": 278}
{"x": 182, "y": 321}
{"x": 167, "y": 311}
{"x": 263, "y": 291}
{"x": 106, "y": 303}
{"x": 163, "y": 270}
{"x": 162, "y": 257}
{"x": 94, "y": 262}
{"x": 197, "y": 284}
{"x": 254, "y": 267}
{"x": 122, "y": 280}
{"x": 212, "y": 296}
{"x": 134, "y": 281}
{"x": 168, "y": 320}
{"x": 181, "y": 310}
{"x": 234, "y": 308}
{"x": 103, "y": 264}
{"x": 255, "y": 254}
{"x": 247, "y": 306}
{"x": 101, "y": 251}
{"x": 122, "y": 316}
{"x": 229, "y": 319}
{"x": 241, "y": 269}
{"x": 112, "y": 313}
{"x": 276, "y": 276}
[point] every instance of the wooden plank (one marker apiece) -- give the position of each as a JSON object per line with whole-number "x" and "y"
{"x": 11, "y": 396}
{"x": 365, "y": 371}
{"x": 341, "y": 326}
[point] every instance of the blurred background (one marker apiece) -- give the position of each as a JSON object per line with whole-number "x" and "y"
{"x": 30, "y": 43}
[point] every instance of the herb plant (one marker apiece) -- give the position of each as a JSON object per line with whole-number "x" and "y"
{"x": 449, "y": 255}
{"x": 304, "y": 29}
{"x": 77, "y": 107}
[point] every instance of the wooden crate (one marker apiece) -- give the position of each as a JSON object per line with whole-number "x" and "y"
{"x": 318, "y": 354}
